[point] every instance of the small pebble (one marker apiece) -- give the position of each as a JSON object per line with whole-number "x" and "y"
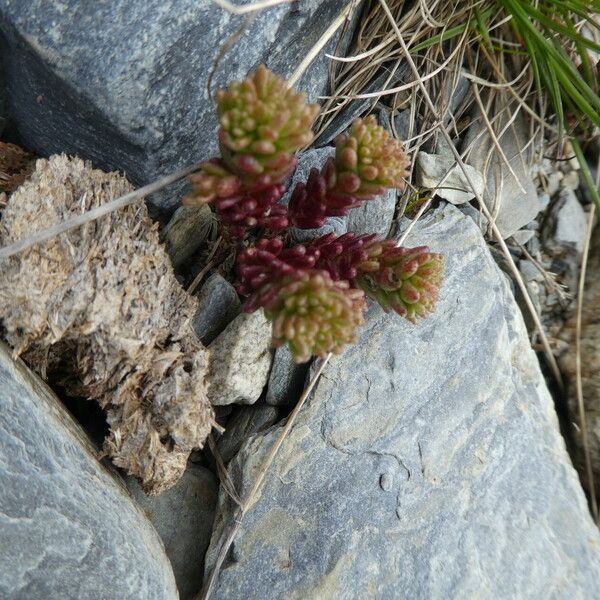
{"x": 385, "y": 481}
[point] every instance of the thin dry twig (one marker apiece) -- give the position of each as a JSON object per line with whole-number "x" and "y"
{"x": 254, "y": 493}
{"x": 95, "y": 213}
{"x": 579, "y": 387}
{"x": 247, "y": 8}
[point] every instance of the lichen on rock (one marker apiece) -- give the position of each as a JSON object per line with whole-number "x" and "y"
{"x": 99, "y": 310}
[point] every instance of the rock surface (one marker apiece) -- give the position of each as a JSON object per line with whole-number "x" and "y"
{"x": 286, "y": 380}
{"x": 428, "y": 463}
{"x": 218, "y": 305}
{"x": 314, "y": 158}
{"x": 442, "y": 173}
{"x": 571, "y": 220}
{"x": 244, "y": 423}
{"x": 240, "y": 360}
{"x": 590, "y": 365}
{"x": 513, "y": 202}
{"x": 67, "y": 529}
{"x": 133, "y": 96}
{"x": 183, "y": 517}
{"x": 187, "y": 230}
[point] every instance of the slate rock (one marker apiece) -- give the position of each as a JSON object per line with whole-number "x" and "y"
{"x": 218, "y": 305}
{"x": 68, "y": 528}
{"x": 387, "y": 78}
{"x": 512, "y": 202}
{"x": 522, "y": 236}
{"x": 571, "y": 220}
{"x": 133, "y": 94}
{"x": 590, "y": 367}
{"x": 240, "y": 361}
{"x": 313, "y": 158}
{"x": 442, "y": 173}
{"x": 188, "y": 229}
{"x": 286, "y": 381}
{"x": 183, "y": 517}
{"x": 402, "y": 124}
{"x": 243, "y": 424}
{"x": 427, "y": 464}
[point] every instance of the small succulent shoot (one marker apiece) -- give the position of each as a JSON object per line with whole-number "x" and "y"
{"x": 266, "y": 263}
{"x": 263, "y": 123}
{"x": 407, "y": 281}
{"x": 314, "y": 294}
{"x": 311, "y": 312}
{"x": 257, "y": 209}
{"x": 212, "y": 182}
{"x": 314, "y": 314}
{"x": 367, "y": 162}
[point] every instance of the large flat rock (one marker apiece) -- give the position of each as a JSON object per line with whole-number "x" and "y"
{"x": 68, "y": 530}
{"x": 124, "y": 83}
{"x": 427, "y": 464}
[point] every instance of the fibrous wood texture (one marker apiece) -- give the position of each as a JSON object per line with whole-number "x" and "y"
{"x": 99, "y": 311}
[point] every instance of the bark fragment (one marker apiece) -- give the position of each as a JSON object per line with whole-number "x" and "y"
{"x": 99, "y": 310}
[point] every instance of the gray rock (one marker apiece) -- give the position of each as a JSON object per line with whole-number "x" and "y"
{"x": 218, "y": 305}
{"x": 360, "y": 106}
{"x": 530, "y": 271}
{"x": 286, "y": 380}
{"x": 402, "y": 124}
{"x": 512, "y": 202}
{"x": 571, "y": 220}
{"x": 240, "y": 361}
{"x": 475, "y": 214}
{"x": 313, "y": 158}
{"x": 453, "y": 107}
{"x": 245, "y": 423}
{"x": 188, "y": 229}
{"x": 522, "y": 236}
{"x": 68, "y": 529}
{"x": 441, "y": 173}
{"x": 133, "y": 96}
{"x": 183, "y": 517}
{"x": 478, "y": 496}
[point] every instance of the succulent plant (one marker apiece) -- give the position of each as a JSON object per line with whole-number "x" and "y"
{"x": 263, "y": 123}
{"x": 314, "y": 294}
{"x": 367, "y": 162}
{"x": 212, "y": 182}
{"x": 257, "y": 209}
{"x": 407, "y": 281}
{"x": 267, "y": 262}
{"x": 314, "y": 314}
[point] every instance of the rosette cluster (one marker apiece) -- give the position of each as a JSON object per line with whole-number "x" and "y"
{"x": 367, "y": 162}
{"x": 314, "y": 294}
{"x": 405, "y": 280}
{"x": 262, "y": 124}
{"x": 311, "y": 312}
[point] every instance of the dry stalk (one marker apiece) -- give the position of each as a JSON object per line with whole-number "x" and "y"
{"x": 254, "y": 493}
{"x": 579, "y": 387}
{"x": 91, "y": 215}
{"x": 247, "y": 8}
